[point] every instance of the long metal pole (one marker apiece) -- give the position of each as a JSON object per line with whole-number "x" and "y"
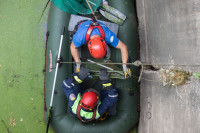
{"x": 57, "y": 64}
{"x": 55, "y": 77}
{"x": 100, "y": 64}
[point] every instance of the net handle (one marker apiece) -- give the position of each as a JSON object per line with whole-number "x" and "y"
{"x": 91, "y": 10}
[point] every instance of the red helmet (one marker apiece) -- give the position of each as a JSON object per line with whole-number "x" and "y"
{"x": 97, "y": 47}
{"x": 89, "y": 100}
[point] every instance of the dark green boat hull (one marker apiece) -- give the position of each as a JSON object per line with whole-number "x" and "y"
{"x": 127, "y": 109}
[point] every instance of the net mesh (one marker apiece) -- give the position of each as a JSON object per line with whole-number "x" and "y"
{"x": 77, "y": 6}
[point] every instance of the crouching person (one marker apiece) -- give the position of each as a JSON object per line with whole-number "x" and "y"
{"x": 89, "y": 105}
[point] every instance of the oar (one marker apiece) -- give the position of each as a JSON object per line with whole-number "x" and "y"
{"x": 54, "y": 82}
{"x": 111, "y": 13}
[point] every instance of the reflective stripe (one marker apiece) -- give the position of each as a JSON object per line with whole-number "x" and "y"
{"x": 77, "y": 79}
{"x": 113, "y": 95}
{"x": 66, "y": 84}
{"x": 107, "y": 84}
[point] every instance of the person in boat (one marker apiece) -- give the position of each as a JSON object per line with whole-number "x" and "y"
{"x": 96, "y": 36}
{"x": 88, "y": 105}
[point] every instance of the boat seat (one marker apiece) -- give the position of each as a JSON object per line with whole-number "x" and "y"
{"x": 74, "y": 19}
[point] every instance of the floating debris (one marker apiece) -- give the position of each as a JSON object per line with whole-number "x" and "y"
{"x": 21, "y": 120}
{"x": 12, "y": 122}
{"x": 174, "y": 77}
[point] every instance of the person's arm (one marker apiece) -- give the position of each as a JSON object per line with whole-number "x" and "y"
{"x": 124, "y": 51}
{"x": 68, "y": 87}
{"x": 75, "y": 55}
{"x": 109, "y": 94}
{"x": 74, "y": 52}
{"x": 72, "y": 85}
{"x": 111, "y": 98}
{"x": 124, "y": 54}
{"x": 71, "y": 90}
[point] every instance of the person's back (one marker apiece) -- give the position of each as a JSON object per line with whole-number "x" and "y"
{"x": 88, "y": 105}
{"x": 96, "y": 36}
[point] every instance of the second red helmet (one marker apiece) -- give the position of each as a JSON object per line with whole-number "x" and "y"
{"x": 89, "y": 100}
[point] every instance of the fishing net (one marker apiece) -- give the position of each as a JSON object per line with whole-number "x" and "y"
{"x": 77, "y": 6}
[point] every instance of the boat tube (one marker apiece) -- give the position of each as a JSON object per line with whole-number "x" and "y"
{"x": 127, "y": 107}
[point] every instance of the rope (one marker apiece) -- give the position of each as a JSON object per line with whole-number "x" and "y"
{"x": 134, "y": 63}
{"x": 137, "y": 63}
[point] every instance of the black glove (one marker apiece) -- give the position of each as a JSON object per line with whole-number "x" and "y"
{"x": 105, "y": 77}
{"x": 83, "y": 73}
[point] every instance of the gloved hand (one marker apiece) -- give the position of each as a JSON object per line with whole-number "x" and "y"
{"x": 78, "y": 66}
{"x": 127, "y": 72}
{"x": 104, "y": 75}
{"x": 83, "y": 73}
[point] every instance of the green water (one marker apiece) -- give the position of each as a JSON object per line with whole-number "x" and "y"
{"x": 21, "y": 66}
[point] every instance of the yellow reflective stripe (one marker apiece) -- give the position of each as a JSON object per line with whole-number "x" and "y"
{"x": 107, "y": 84}
{"x": 77, "y": 79}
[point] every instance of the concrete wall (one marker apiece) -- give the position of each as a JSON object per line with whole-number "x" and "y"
{"x": 169, "y": 31}
{"x": 169, "y": 35}
{"x": 167, "y": 109}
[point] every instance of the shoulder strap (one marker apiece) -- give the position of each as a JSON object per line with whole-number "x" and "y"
{"x": 78, "y": 113}
{"x": 92, "y": 26}
{"x": 77, "y": 26}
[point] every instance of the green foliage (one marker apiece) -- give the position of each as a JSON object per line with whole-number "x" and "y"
{"x": 196, "y": 75}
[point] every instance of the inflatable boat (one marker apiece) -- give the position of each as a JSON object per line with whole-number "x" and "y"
{"x": 61, "y": 121}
